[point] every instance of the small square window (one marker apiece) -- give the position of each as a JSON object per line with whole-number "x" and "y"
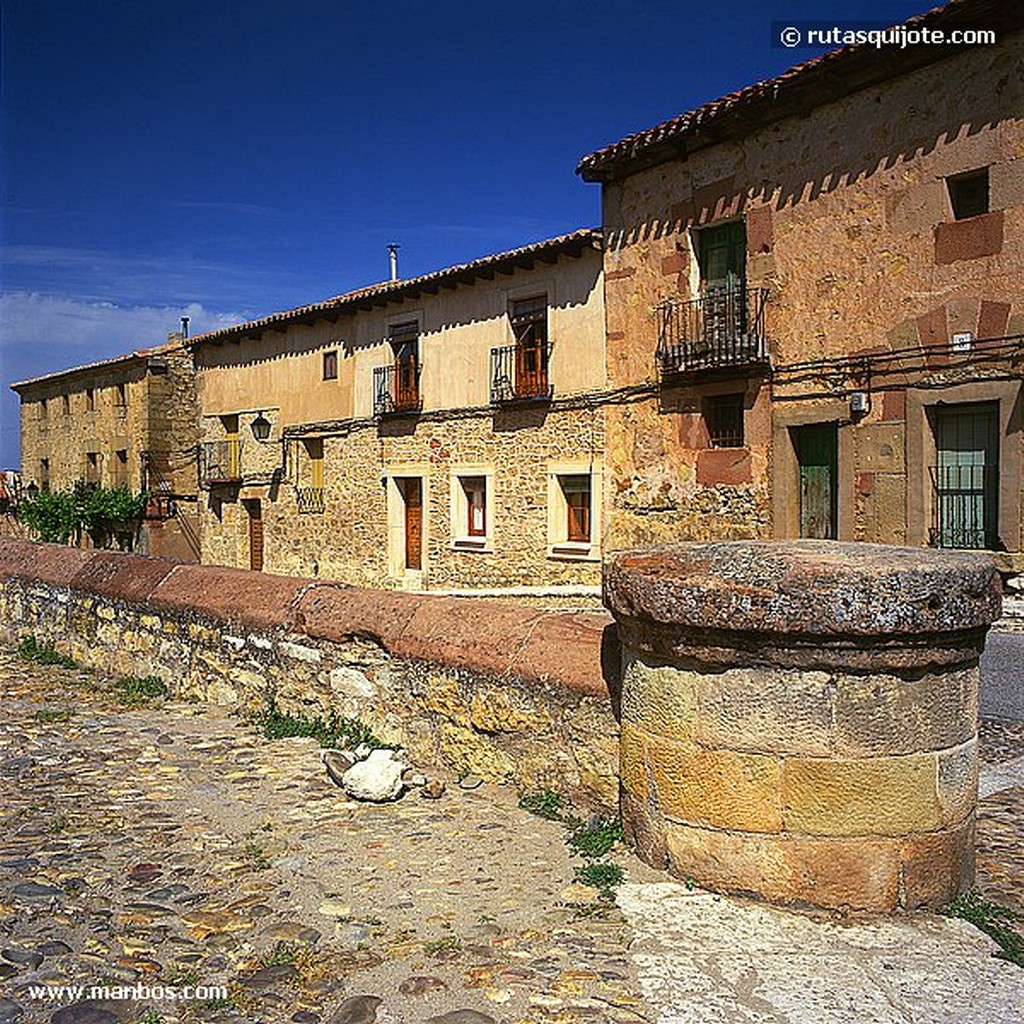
{"x": 331, "y": 365}
{"x": 723, "y": 415}
{"x": 968, "y": 194}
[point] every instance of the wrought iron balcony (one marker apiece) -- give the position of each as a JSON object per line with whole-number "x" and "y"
{"x": 519, "y": 373}
{"x": 309, "y": 499}
{"x": 396, "y": 389}
{"x": 220, "y": 462}
{"x": 723, "y": 328}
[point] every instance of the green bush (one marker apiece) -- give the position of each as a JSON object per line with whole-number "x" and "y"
{"x": 107, "y": 515}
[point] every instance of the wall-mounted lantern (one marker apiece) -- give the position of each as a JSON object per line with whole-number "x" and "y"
{"x": 261, "y": 428}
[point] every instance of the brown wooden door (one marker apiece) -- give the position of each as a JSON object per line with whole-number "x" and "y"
{"x": 255, "y": 511}
{"x": 412, "y": 493}
{"x": 531, "y": 368}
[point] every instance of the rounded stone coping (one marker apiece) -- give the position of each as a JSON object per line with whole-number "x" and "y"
{"x": 556, "y": 649}
{"x": 803, "y": 603}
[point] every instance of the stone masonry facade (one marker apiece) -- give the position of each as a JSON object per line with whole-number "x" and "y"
{"x": 881, "y": 290}
{"x": 129, "y": 421}
{"x": 346, "y": 539}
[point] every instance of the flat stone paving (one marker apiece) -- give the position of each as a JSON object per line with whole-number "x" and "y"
{"x": 171, "y": 845}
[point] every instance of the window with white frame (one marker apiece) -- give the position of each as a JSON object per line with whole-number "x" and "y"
{"x": 471, "y": 512}
{"x": 572, "y": 512}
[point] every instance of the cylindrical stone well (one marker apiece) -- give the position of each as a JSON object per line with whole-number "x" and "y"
{"x": 799, "y": 718}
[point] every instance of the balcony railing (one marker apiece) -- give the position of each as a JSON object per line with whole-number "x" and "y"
{"x": 220, "y": 462}
{"x": 309, "y": 499}
{"x": 396, "y": 389}
{"x": 723, "y": 328}
{"x": 964, "y": 501}
{"x": 520, "y": 373}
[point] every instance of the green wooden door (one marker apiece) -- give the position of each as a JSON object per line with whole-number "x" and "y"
{"x": 722, "y": 253}
{"x": 966, "y": 491}
{"x": 817, "y": 453}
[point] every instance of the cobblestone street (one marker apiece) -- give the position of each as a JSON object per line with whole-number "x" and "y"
{"x": 171, "y": 845}
{"x": 174, "y": 845}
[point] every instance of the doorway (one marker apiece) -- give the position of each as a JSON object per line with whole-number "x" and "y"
{"x": 817, "y": 455}
{"x": 411, "y": 490}
{"x": 254, "y": 510}
{"x": 966, "y": 475}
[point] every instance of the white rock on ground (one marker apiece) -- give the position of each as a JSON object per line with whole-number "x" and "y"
{"x": 709, "y": 959}
{"x": 378, "y": 778}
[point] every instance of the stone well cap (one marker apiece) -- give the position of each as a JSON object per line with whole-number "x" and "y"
{"x": 814, "y": 590}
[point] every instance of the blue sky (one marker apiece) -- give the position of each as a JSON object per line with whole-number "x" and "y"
{"x": 224, "y": 160}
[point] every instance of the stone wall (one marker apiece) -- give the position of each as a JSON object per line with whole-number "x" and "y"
{"x": 507, "y": 693}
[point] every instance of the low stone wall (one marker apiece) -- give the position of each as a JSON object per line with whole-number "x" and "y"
{"x": 507, "y": 693}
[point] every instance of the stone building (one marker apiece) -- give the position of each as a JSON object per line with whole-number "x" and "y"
{"x": 444, "y": 431}
{"x": 128, "y": 421}
{"x": 815, "y": 287}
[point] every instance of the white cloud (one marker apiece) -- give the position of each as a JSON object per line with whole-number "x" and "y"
{"x": 102, "y": 329}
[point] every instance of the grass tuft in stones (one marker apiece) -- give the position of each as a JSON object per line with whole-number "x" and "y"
{"x": 994, "y": 920}
{"x": 31, "y": 649}
{"x": 604, "y": 876}
{"x": 332, "y": 731}
{"x": 282, "y": 954}
{"x": 595, "y": 837}
{"x": 439, "y": 947}
{"x": 48, "y": 715}
{"x": 256, "y": 857}
{"x": 545, "y": 803}
{"x": 181, "y": 974}
{"x": 133, "y": 691}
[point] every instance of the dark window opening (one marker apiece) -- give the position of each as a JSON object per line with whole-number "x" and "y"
{"x": 723, "y": 415}
{"x": 968, "y": 194}
{"x": 331, "y": 365}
